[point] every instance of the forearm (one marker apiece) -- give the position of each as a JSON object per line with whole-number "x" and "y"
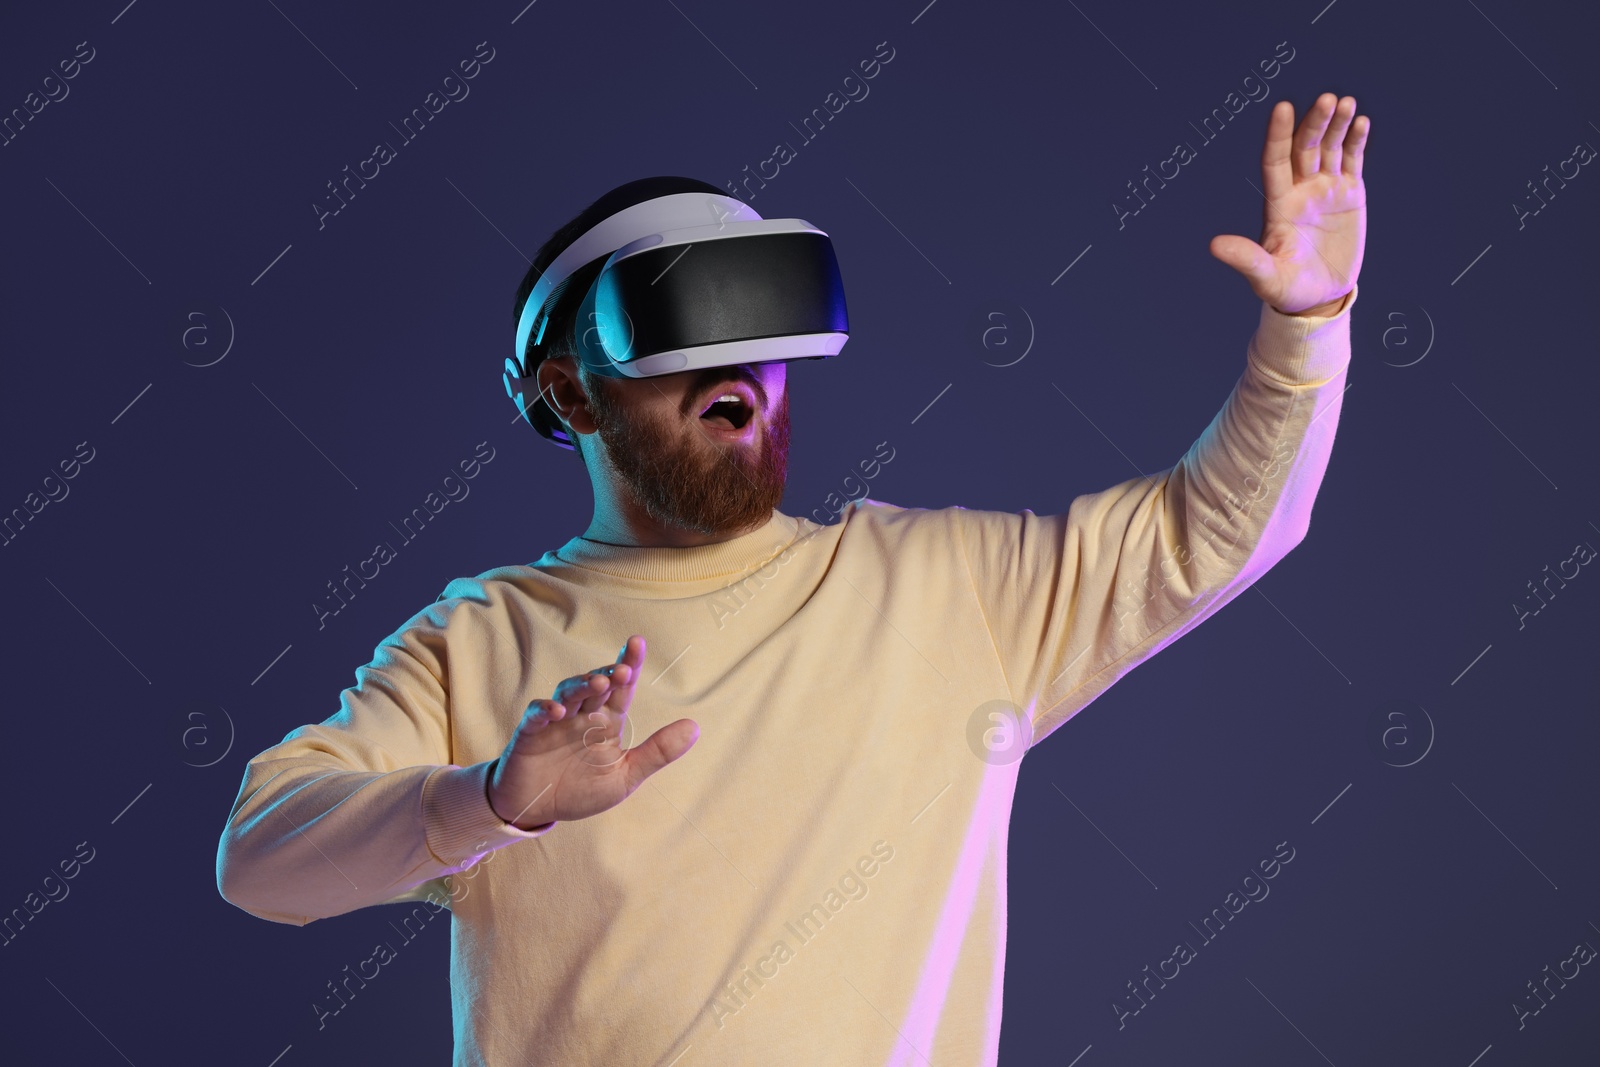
{"x": 309, "y": 839}
{"x": 1241, "y": 498}
{"x": 1073, "y": 602}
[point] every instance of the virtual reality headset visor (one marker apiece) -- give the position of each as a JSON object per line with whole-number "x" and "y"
{"x": 714, "y": 296}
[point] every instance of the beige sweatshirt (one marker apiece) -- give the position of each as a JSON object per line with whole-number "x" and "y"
{"x": 822, "y": 877}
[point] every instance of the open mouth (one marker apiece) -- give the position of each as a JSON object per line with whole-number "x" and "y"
{"x": 729, "y": 411}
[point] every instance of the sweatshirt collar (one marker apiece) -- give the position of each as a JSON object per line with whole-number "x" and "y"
{"x": 735, "y": 556}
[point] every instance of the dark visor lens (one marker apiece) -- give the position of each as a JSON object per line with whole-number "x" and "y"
{"x": 726, "y": 289}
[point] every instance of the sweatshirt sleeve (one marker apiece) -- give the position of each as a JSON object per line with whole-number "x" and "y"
{"x": 1073, "y": 602}
{"x": 365, "y": 807}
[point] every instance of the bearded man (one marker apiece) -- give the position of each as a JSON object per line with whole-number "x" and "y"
{"x": 823, "y": 879}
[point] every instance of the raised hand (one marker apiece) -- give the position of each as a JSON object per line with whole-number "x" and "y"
{"x": 1314, "y": 224}
{"x": 565, "y": 760}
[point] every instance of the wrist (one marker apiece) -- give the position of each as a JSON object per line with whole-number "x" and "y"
{"x": 525, "y": 824}
{"x": 1320, "y": 311}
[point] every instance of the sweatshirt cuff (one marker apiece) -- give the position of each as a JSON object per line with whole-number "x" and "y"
{"x": 1300, "y": 349}
{"x": 459, "y": 824}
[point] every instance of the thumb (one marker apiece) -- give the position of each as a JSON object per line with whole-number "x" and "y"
{"x": 660, "y": 749}
{"x": 1246, "y": 257}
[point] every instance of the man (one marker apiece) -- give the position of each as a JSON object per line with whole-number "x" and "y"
{"x": 821, "y": 880}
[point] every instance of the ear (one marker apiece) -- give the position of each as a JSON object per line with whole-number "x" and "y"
{"x": 563, "y": 391}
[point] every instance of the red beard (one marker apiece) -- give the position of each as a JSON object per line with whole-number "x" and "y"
{"x": 681, "y": 477}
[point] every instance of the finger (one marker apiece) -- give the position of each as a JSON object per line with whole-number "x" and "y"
{"x": 1308, "y": 140}
{"x": 1333, "y": 142}
{"x": 572, "y": 690}
{"x": 625, "y": 673}
{"x": 1277, "y": 176}
{"x": 595, "y": 693}
{"x": 1246, "y": 257}
{"x": 1355, "y": 147}
{"x": 540, "y": 714}
{"x": 620, "y": 696}
{"x": 658, "y": 750}
{"x": 631, "y": 657}
{"x": 633, "y": 652}
{"x": 582, "y": 692}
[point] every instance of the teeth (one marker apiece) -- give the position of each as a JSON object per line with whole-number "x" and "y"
{"x": 735, "y": 397}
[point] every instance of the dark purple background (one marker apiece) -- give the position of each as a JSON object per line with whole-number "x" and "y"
{"x": 146, "y": 607}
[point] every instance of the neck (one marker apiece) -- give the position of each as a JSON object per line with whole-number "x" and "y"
{"x": 624, "y": 522}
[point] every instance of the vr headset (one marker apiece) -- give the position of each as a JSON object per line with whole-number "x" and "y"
{"x": 682, "y": 282}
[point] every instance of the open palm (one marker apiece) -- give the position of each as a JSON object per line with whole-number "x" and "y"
{"x": 566, "y": 760}
{"x": 1314, "y": 218}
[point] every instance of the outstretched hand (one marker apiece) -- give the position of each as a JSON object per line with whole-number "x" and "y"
{"x": 565, "y": 759}
{"x": 1314, "y": 224}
